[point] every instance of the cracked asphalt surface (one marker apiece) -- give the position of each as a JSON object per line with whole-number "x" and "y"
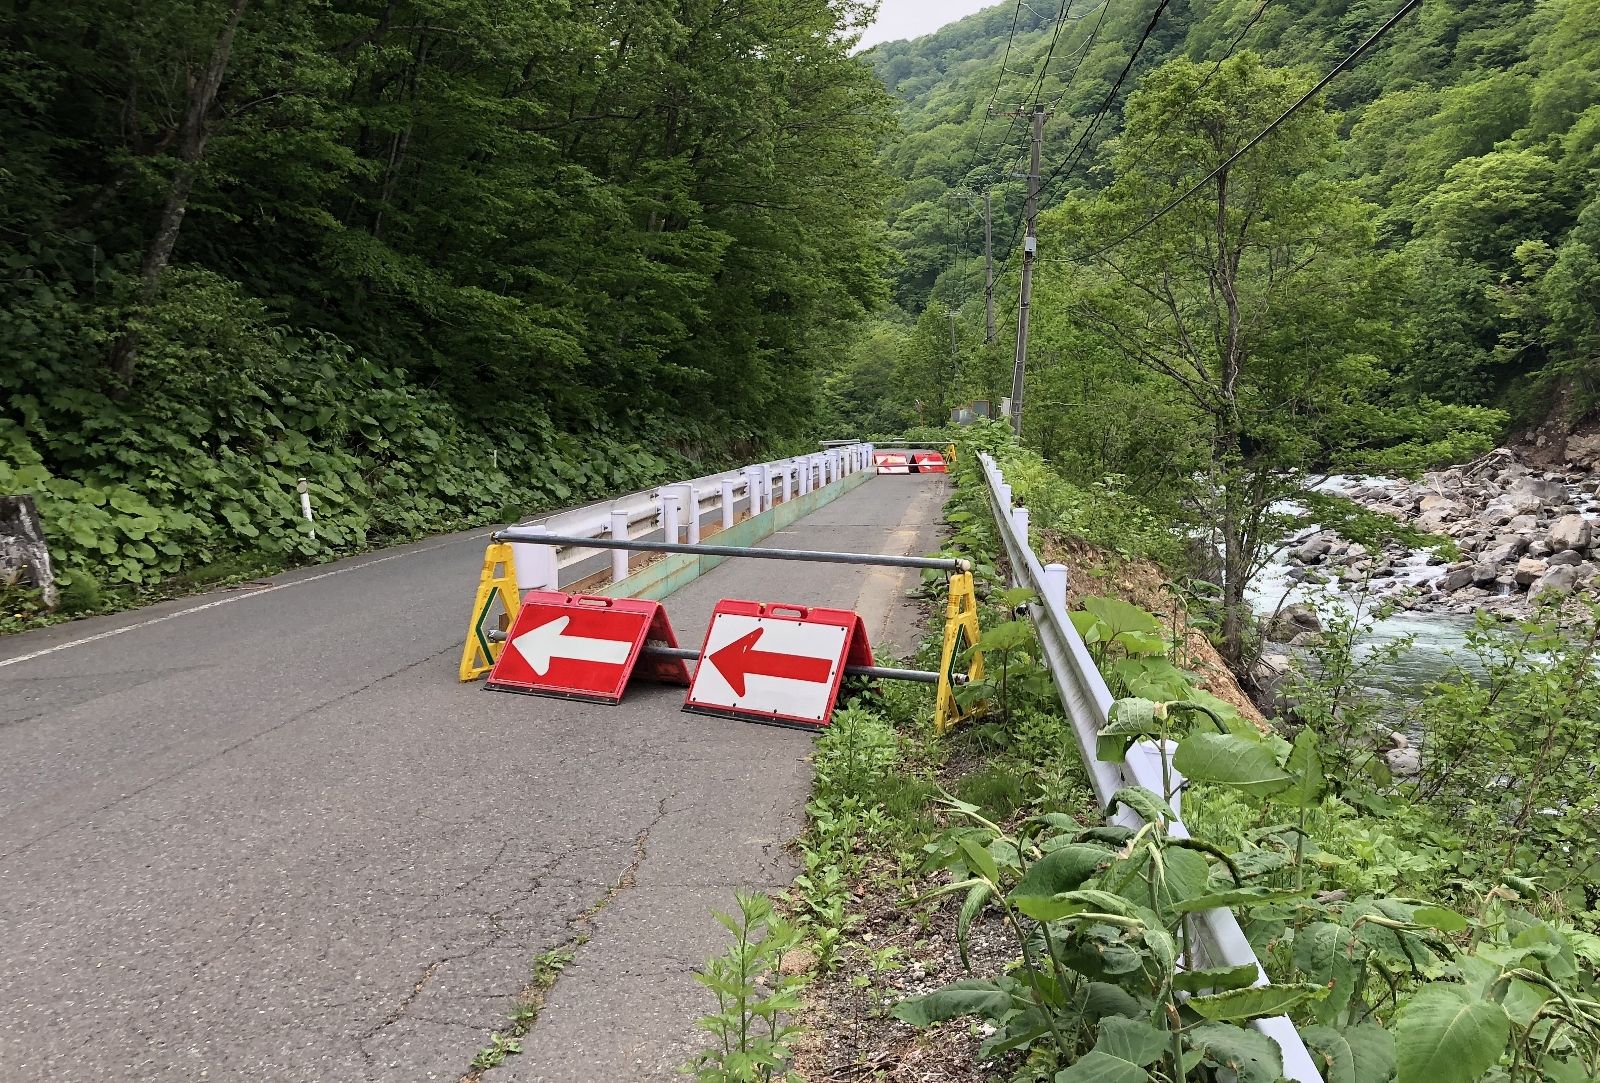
{"x": 274, "y": 839}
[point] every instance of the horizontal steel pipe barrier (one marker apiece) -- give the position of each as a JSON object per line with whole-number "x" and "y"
{"x": 818, "y": 556}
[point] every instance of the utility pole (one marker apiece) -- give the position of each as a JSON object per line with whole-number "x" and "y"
{"x": 988, "y": 268}
{"x": 955, "y": 355}
{"x": 1030, "y": 249}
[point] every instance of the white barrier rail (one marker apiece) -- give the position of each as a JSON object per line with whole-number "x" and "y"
{"x": 678, "y": 511}
{"x": 1087, "y": 703}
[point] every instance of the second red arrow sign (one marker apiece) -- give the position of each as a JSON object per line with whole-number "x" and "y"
{"x": 775, "y": 662}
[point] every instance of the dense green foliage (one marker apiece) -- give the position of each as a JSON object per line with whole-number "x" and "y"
{"x": 1463, "y": 148}
{"x": 1408, "y": 935}
{"x": 1472, "y": 132}
{"x": 442, "y": 258}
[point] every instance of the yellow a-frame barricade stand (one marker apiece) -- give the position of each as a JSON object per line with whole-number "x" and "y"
{"x": 497, "y": 580}
{"x": 960, "y": 633}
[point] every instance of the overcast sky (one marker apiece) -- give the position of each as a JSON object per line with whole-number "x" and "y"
{"x": 914, "y": 18}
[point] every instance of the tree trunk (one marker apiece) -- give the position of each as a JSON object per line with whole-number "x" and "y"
{"x": 192, "y": 135}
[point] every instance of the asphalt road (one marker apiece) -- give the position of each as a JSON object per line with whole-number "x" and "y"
{"x": 266, "y": 835}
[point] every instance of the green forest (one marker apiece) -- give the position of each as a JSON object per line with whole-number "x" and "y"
{"x": 450, "y": 260}
{"x": 459, "y": 260}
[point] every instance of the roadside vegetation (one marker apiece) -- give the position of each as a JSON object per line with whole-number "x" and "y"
{"x": 965, "y": 911}
{"x": 450, "y": 262}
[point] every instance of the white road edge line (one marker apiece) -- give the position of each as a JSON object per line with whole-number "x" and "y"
{"x": 222, "y": 601}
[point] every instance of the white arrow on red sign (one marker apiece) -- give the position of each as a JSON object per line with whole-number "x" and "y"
{"x": 740, "y": 659}
{"x": 549, "y": 641}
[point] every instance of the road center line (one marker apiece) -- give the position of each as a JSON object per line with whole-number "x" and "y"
{"x": 224, "y": 601}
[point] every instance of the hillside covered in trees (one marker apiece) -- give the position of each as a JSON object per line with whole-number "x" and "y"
{"x": 447, "y": 260}
{"x": 1467, "y": 140}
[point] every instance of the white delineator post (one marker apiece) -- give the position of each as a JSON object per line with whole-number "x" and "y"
{"x": 669, "y": 514}
{"x": 1055, "y": 588}
{"x": 691, "y": 508}
{"x": 788, "y": 472}
{"x": 536, "y": 564}
{"x": 1019, "y": 516}
{"x": 305, "y": 505}
{"x": 619, "y": 557}
{"x": 728, "y": 485}
{"x": 752, "y": 489}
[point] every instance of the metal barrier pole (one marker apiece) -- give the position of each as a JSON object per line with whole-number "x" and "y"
{"x": 1055, "y": 588}
{"x": 818, "y": 556}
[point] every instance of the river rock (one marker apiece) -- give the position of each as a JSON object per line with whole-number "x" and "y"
{"x": 1311, "y": 551}
{"x": 1485, "y": 573}
{"x": 1558, "y": 580}
{"x": 1523, "y": 524}
{"x": 1504, "y": 552}
{"x": 1454, "y": 579}
{"x": 1570, "y": 532}
{"x": 1566, "y": 556}
{"x": 1529, "y": 569}
{"x": 1403, "y": 762}
{"x": 1292, "y": 621}
{"x": 1541, "y": 491}
{"x": 1539, "y": 548}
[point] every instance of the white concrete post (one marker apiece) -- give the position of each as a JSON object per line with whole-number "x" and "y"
{"x": 1055, "y": 588}
{"x": 766, "y": 486}
{"x": 536, "y": 565}
{"x": 619, "y": 557}
{"x": 727, "y": 503}
{"x": 752, "y": 488}
{"x": 828, "y": 468}
{"x": 1019, "y": 518}
{"x": 788, "y": 473}
{"x": 691, "y": 507}
{"x": 1005, "y": 496}
{"x": 669, "y": 514}
{"x": 802, "y": 470}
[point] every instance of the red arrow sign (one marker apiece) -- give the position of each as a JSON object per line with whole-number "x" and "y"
{"x": 740, "y": 659}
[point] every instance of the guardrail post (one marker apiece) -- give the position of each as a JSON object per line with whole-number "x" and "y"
{"x": 1005, "y": 497}
{"x": 546, "y": 568}
{"x": 619, "y": 557}
{"x": 1055, "y": 588}
{"x": 752, "y": 488}
{"x": 691, "y": 505}
{"x": 669, "y": 514}
{"x": 727, "y": 503}
{"x": 767, "y": 493}
{"x": 788, "y": 490}
{"x": 1019, "y": 516}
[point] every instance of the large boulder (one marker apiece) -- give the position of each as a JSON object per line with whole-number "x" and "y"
{"x": 1504, "y": 552}
{"x": 1455, "y": 578}
{"x": 1541, "y": 490}
{"x": 1528, "y": 570}
{"x": 1311, "y": 551}
{"x": 1566, "y": 556}
{"x": 1293, "y": 621}
{"x": 1558, "y": 580}
{"x": 1584, "y": 450}
{"x": 1570, "y": 532}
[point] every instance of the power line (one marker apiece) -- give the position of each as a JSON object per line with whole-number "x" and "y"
{"x": 1105, "y": 107}
{"x": 1405, "y": 9}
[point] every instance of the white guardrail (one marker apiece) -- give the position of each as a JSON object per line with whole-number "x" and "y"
{"x": 678, "y": 511}
{"x": 1087, "y": 703}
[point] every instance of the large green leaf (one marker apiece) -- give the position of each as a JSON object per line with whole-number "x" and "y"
{"x": 1256, "y": 1002}
{"x": 1305, "y": 770}
{"x": 1122, "y": 616}
{"x": 1251, "y": 895}
{"x": 1250, "y": 1055}
{"x": 1230, "y": 760}
{"x": 1132, "y": 1040}
{"x": 1217, "y": 979}
{"x": 1097, "y": 1067}
{"x": 1360, "y": 1054}
{"x": 984, "y": 999}
{"x": 1060, "y": 870}
{"x": 1129, "y": 719}
{"x": 1445, "y": 1034}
